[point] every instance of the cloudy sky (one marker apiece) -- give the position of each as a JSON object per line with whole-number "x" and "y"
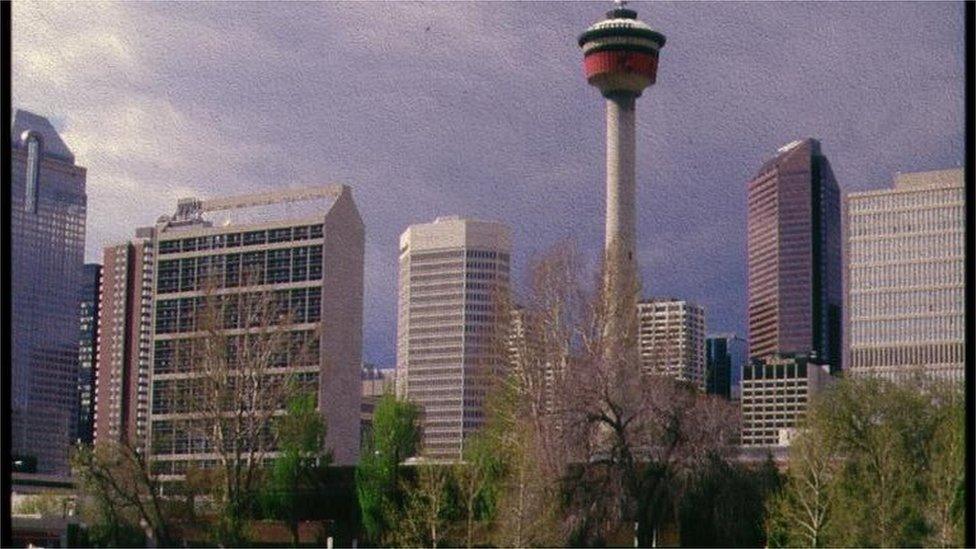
{"x": 480, "y": 109}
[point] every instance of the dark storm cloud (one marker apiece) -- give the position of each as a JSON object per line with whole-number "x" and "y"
{"x": 481, "y": 110}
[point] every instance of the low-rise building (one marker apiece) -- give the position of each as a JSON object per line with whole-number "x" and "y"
{"x": 776, "y": 391}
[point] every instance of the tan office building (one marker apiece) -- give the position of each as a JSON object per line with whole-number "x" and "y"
{"x": 906, "y": 277}
{"x": 453, "y": 274}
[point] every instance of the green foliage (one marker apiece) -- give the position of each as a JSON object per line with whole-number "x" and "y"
{"x": 882, "y": 462}
{"x": 430, "y": 508}
{"x": 395, "y": 437}
{"x": 724, "y": 505}
{"x": 296, "y": 477}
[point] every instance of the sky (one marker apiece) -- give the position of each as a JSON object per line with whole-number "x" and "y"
{"x": 481, "y": 109}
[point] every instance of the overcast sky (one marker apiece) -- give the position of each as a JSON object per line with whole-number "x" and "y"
{"x": 481, "y": 109}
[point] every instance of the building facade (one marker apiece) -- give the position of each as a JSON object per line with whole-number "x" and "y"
{"x": 776, "y": 392}
{"x": 794, "y": 256}
{"x": 671, "y": 336}
{"x": 309, "y": 267}
{"x": 125, "y": 332}
{"x": 906, "y": 277}
{"x": 87, "y": 350}
{"x": 454, "y": 274}
{"x": 725, "y": 357}
{"x": 47, "y": 243}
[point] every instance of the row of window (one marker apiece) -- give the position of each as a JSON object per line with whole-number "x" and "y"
{"x": 914, "y": 200}
{"x": 936, "y": 245}
{"x": 933, "y": 273}
{"x": 234, "y": 240}
{"x": 776, "y": 371}
{"x": 299, "y": 348}
{"x": 916, "y": 220}
{"x": 913, "y": 355}
{"x": 906, "y": 302}
{"x": 940, "y": 327}
{"x": 281, "y": 307}
{"x": 240, "y": 269}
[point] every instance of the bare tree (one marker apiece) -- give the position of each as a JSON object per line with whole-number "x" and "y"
{"x": 801, "y": 511}
{"x": 425, "y": 516}
{"x": 117, "y": 477}
{"x": 245, "y": 353}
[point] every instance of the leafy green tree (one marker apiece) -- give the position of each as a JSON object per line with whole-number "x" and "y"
{"x": 126, "y": 495}
{"x": 800, "y": 514}
{"x": 297, "y": 474}
{"x": 723, "y": 505}
{"x": 394, "y": 438}
{"x": 430, "y": 507}
{"x": 876, "y": 463}
{"x": 477, "y": 480}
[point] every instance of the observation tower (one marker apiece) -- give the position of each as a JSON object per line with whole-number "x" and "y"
{"x": 620, "y": 55}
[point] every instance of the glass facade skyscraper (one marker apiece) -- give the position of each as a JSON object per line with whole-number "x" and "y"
{"x": 87, "y": 350}
{"x": 725, "y": 357}
{"x": 794, "y": 256}
{"x": 48, "y": 208}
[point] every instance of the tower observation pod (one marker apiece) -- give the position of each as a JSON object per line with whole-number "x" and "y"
{"x": 620, "y": 55}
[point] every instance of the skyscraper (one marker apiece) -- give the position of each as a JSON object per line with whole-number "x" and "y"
{"x": 725, "y": 357}
{"x": 48, "y": 208}
{"x": 87, "y": 350}
{"x": 671, "y": 335}
{"x": 794, "y": 256}
{"x": 454, "y": 274}
{"x": 620, "y": 56}
{"x": 906, "y": 285}
{"x": 125, "y": 331}
{"x": 303, "y": 248}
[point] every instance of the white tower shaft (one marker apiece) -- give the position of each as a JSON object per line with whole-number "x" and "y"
{"x": 620, "y": 253}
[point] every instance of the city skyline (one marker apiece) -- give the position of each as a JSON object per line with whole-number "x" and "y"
{"x": 449, "y": 122}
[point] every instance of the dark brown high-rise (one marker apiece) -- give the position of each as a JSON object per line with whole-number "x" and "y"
{"x": 795, "y": 256}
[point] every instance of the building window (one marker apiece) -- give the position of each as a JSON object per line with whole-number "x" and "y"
{"x": 34, "y": 149}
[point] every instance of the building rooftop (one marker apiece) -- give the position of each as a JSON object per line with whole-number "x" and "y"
{"x": 54, "y": 146}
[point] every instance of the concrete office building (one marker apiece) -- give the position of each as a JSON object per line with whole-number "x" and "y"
{"x": 310, "y": 263}
{"x": 776, "y": 391}
{"x": 725, "y": 357}
{"x": 906, "y": 277}
{"x": 87, "y": 350}
{"x": 671, "y": 335}
{"x": 125, "y": 335}
{"x": 453, "y": 275}
{"x": 794, "y": 256}
{"x": 47, "y": 244}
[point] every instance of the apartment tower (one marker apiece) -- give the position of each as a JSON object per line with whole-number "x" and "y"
{"x": 47, "y": 245}
{"x": 671, "y": 336}
{"x": 906, "y": 277}
{"x": 454, "y": 276}
{"x": 794, "y": 256}
{"x": 125, "y": 334}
